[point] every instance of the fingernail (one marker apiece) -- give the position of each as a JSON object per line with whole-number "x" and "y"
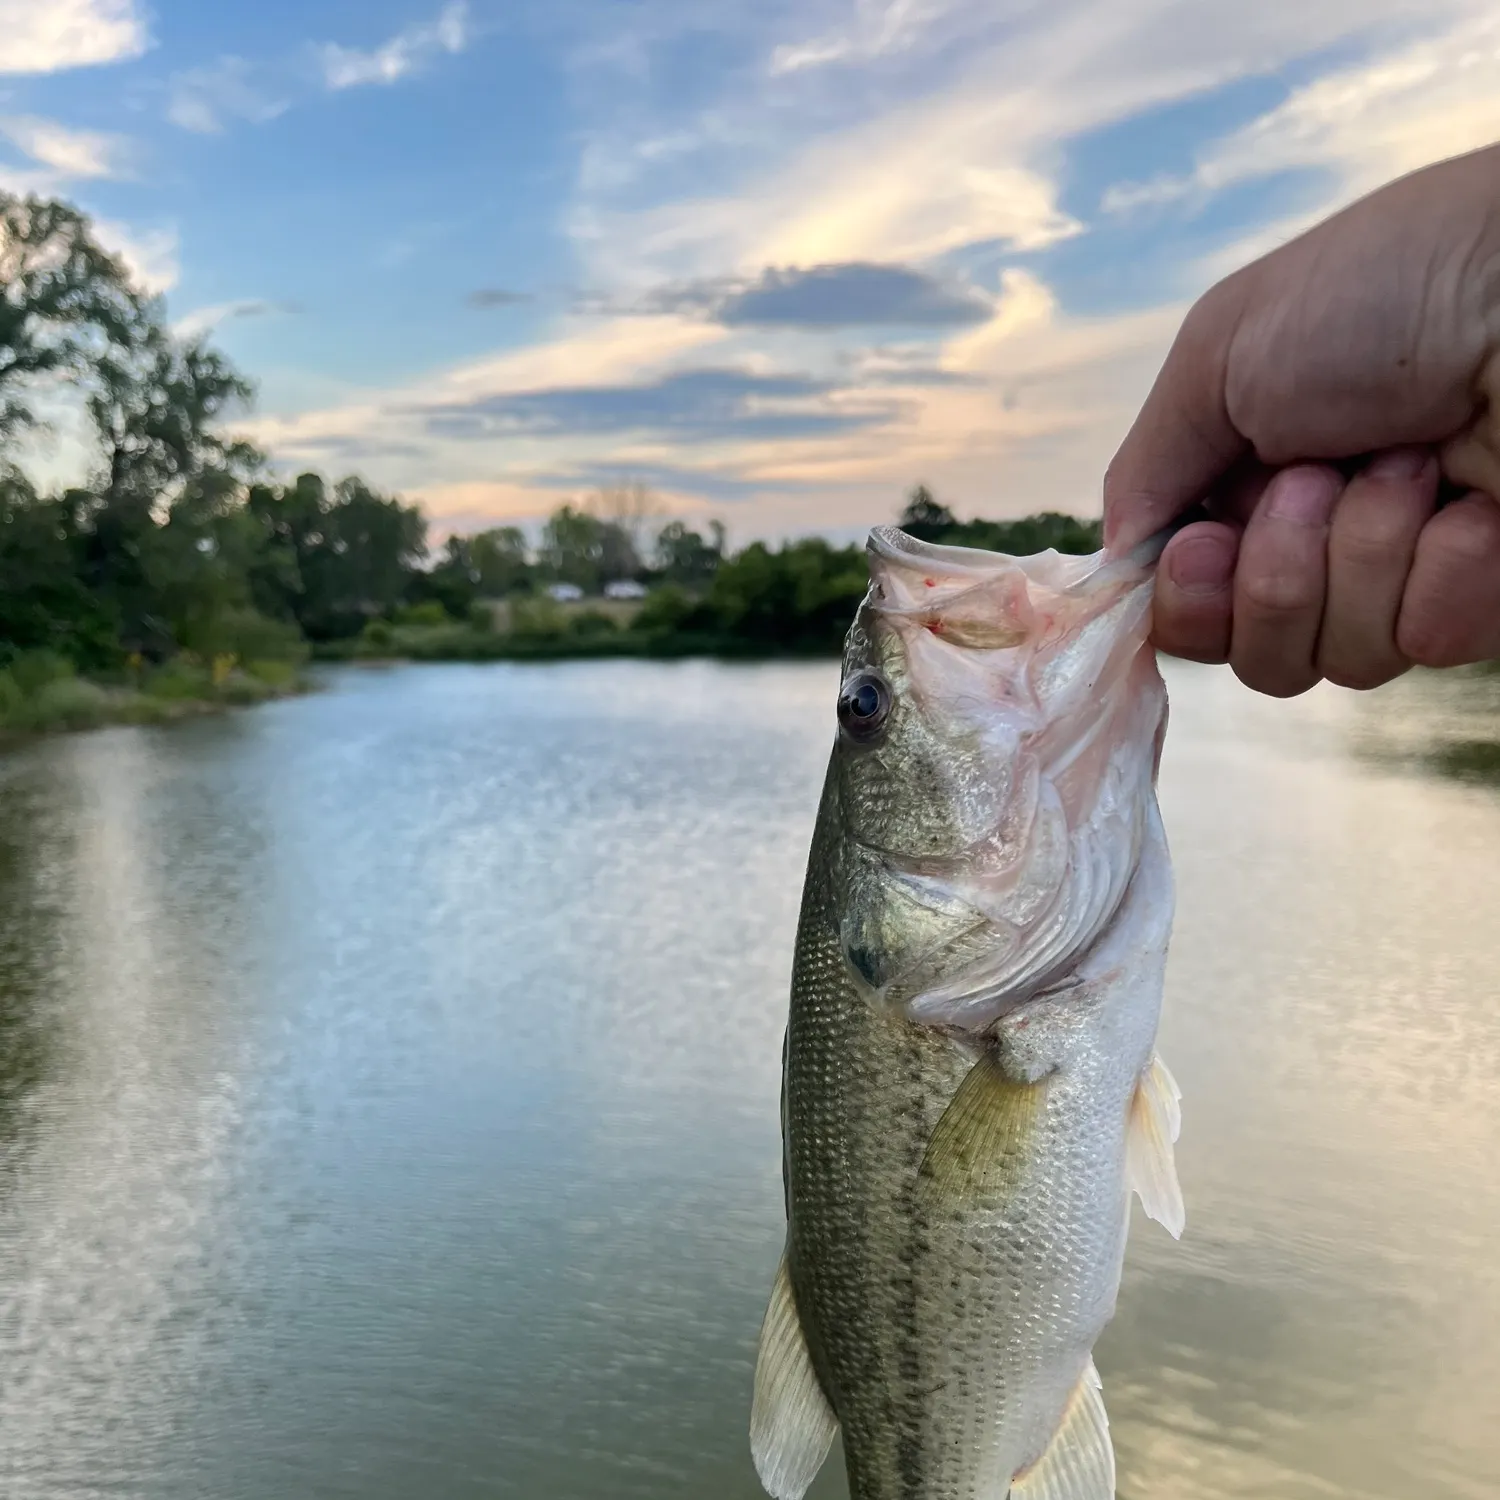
{"x": 1400, "y": 463}
{"x": 1202, "y": 565}
{"x": 1304, "y": 496}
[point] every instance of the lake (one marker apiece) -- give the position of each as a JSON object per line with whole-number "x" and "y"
{"x": 388, "y": 1092}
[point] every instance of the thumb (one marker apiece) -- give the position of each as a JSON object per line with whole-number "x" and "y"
{"x": 1183, "y": 440}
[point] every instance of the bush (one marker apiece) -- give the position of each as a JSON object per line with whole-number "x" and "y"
{"x": 245, "y": 635}
{"x": 591, "y": 622}
{"x": 242, "y": 689}
{"x": 278, "y": 675}
{"x": 11, "y": 696}
{"x": 178, "y": 679}
{"x": 668, "y": 608}
{"x": 67, "y": 703}
{"x": 378, "y": 636}
{"x": 537, "y": 617}
{"x": 481, "y": 617}
{"x": 422, "y": 616}
{"x": 32, "y": 671}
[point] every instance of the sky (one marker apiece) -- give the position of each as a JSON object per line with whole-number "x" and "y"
{"x": 780, "y": 260}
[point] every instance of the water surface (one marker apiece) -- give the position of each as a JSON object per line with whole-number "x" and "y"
{"x": 388, "y": 1088}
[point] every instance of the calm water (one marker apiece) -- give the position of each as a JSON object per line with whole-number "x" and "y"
{"x": 388, "y": 1092}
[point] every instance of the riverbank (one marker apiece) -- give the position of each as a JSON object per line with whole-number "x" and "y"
{"x": 40, "y": 697}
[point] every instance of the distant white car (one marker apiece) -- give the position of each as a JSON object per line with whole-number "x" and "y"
{"x": 624, "y": 588}
{"x": 564, "y": 593}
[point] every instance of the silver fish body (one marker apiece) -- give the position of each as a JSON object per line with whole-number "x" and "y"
{"x": 970, "y": 1086}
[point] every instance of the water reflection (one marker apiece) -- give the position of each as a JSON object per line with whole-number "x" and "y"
{"x": 29, "y": 954}
{"x": 1446, "y": 723}
{"x": 397, "y": 1075}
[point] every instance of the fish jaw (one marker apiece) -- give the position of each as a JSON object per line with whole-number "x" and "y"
{"x": 992, "y": 835}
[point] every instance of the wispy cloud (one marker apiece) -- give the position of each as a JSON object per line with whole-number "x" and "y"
{"x": 404, "y": 53}
{"x": 152, "y": 256}
{"x": 47, "y": 36}
{"x": 203, "y": 99}
{"x": 877, "y": 28}
{"x": 205, "y": 320}
{"x": 1366, "y": 122}
{"x": 68, "y": 153}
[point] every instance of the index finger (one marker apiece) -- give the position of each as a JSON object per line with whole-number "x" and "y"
{"x": 1183, "y": 440}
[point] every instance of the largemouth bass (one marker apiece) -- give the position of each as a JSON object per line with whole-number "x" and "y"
{"x": 970, "y": 1085}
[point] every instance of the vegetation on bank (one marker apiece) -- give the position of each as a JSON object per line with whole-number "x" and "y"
{"x": 182, "y": 577}
{"x": 792, "y": 600}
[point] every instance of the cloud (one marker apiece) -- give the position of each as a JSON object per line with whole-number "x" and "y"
{"x": 1366, "y": 122}
{"x": 150, "y": 257}
{"x": 202, "y": 99}
{"x": 494, "y": 296}
{"x": 66, "y": 152}
{"x": 847, "y": 296}
{"x": 47, "y": 36}
{"x": 960, "y": 149}
{"x": 1378, "y": 119}
{"x": 689, "y": 405}
{"x": 348, "y": 67}
{"x": 204, "y": 320}
{"x": 853, "y": 295}
{"x": 878, "y": 30}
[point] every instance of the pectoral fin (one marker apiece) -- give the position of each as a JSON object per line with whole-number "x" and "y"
{"x": 1151, "y": 1167}
{"x": 980, "y": 1143}
{"x": 1079, "y": 1463}
{"x": 792, "y": 1426}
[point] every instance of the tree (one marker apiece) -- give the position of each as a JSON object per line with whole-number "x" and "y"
{"x": 63, "y": 300}
{"x": 155, "y": 403}
{"x": 579, "y": 548}
{"x": 503, "y": 561}
{"x": 682, "y": 555}
{"x": 626, "y": 507}
{"x": 924, "y": 518}
{"x": 44, "y": 603}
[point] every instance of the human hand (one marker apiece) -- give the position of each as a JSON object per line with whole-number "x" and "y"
{"x": 1378, "y": 330}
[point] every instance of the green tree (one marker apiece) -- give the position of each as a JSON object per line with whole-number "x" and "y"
{"x": 924, "y": 518}
{"x": 44, "y": 603}
{"x": 503, "y": 560}
{"x": 684, "y": 557}
{"x": 155, "y": 405}
{"x": 63, "y": 300}
{"x": 583, "y": 549}
{"x": 334, "y": 560}
{"x": 800, "y": 598}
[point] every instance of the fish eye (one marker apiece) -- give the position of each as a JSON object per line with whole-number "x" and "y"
{"x": 864, "y": 706}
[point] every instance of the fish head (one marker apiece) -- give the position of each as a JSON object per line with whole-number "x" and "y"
{"x": 1000, "y": 722}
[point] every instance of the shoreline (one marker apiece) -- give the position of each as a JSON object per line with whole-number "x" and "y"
{"x": 88, "y": 705}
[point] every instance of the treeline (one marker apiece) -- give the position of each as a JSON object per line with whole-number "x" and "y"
{"x": 793, "y": 600}
{"x": 180, "y": 564}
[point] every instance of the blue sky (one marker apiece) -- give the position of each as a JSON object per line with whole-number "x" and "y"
{"x": 779, "y": 260}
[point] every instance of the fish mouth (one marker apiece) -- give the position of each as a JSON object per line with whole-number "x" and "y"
{"x": 1065, "y": 573}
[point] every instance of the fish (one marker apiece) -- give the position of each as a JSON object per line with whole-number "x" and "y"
{"x": 971, "y": 1090}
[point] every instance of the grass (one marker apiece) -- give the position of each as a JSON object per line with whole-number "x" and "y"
{"x": 41, "y": 693}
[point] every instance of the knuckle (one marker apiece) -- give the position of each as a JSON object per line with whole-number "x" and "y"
{"x": 1465, "y": 531}
{"x": 1370, "y": 536}
{"x": 1278, "y": 593}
